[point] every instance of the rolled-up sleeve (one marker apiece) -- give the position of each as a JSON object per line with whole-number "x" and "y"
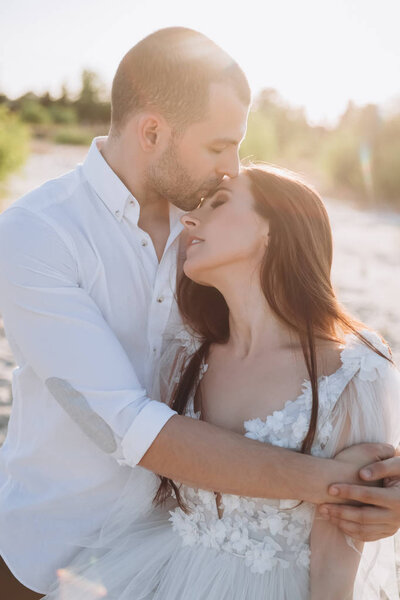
{"x": 59, "y": 331}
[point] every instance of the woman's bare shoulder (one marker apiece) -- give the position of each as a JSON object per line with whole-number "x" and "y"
{"x": 328, "y": 356}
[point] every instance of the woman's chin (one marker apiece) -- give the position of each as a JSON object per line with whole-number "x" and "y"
{"x": 190, "y": 270}
{"x": 195, "y": 273}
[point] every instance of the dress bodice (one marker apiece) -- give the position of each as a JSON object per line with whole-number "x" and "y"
{"x": 270, "y": 532}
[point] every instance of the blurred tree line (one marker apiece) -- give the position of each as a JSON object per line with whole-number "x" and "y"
{"x": 89, "y": 107}
{"x": 14, "y": 137}
{"x": 359, "y": 157}
{"x": 65, "y": 120}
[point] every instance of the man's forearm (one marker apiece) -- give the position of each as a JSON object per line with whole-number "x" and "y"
{"x": 209, "y": 457}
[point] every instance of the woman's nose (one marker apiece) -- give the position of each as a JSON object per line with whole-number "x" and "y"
{"x": 189, "y": 221}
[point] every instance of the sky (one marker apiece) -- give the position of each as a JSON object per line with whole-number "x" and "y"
{"x": 318, "y": 54}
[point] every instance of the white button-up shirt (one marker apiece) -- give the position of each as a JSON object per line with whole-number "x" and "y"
{"x": 85, "y": 302}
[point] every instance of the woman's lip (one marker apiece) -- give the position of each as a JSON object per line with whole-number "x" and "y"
{"x": 191, "y": 240}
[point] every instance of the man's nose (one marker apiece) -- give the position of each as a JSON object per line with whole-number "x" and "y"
{"x": 229, "y": 166}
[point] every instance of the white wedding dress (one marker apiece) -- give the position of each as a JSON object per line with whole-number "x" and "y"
{"x": 252, "y": 548}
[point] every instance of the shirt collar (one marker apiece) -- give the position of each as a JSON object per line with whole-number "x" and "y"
{"x": 105, "y": 182}
{"x": 115, "y": 195}
{"x": 175, "y": 214}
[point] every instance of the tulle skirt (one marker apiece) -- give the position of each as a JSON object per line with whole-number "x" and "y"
{"x": 148, "y": 561}
{"x": 138, "y": 556}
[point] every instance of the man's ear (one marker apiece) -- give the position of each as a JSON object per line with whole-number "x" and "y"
{"x": 151, "y": 129}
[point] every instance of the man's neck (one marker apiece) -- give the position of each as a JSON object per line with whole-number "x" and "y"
{"x": 119, "y": 157}
{"x": 154, "y": 211}
{"x": 155, "y": 221}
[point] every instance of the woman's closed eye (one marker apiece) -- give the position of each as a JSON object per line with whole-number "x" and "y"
{"x": 220, "y": 199}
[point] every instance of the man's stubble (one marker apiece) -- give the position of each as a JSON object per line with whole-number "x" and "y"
{"x": 170, "y": 180}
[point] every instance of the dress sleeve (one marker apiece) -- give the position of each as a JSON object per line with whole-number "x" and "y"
{"x": 179, "y": 345}
{"x": 368, "y": 410}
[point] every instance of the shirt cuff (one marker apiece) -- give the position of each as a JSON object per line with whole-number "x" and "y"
{"x": 143, "y": 431}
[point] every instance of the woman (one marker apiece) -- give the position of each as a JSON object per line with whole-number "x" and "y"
{"x": 273, "y": 356}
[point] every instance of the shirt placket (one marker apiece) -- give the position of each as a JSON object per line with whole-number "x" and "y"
{"x": 161, "y": 302}
{"x": 161, "y": 276}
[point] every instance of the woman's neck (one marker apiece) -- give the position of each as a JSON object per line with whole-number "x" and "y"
{"x": 253, "y": 326}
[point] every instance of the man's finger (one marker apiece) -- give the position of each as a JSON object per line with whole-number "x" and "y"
{"x": 380, "y": 470}
{"x": 364, "y": 515}
{"x": 367, "y": 495}
{"x": 364, "y": 533}
{"x": 384, "y": 451}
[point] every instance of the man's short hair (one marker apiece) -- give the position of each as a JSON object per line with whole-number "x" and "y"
{"x": 171, "y": 71}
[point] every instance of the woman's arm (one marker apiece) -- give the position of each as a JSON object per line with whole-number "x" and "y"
{"x": 380, "y": 515}
{"x": 368, "y": 410}
{"x": 334, "y": 562}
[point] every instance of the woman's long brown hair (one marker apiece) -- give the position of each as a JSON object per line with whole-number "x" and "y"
{"x": 295, "y": 277}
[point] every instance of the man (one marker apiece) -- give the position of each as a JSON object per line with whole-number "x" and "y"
{"x": 87, "y": 272}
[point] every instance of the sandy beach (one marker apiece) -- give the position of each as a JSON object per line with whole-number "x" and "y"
{"x": 366, "y": 270}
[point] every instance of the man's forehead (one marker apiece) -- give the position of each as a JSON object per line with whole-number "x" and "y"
{"x": 226, "y": 132}
{"x": 212, "y": 131}
{"x": 223, "y": 127}
{"x": 228, "y": 124}
{"x": 226, "y": 115}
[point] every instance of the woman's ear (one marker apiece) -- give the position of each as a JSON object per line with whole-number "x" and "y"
{"x": 267, "y": 236}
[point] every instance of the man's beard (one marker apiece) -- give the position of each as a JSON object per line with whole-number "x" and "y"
{"x": 170, "y": 180}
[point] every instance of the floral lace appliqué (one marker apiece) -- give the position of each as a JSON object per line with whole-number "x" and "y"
{"x": 263, "y": 535}
{"x": 268, "y": 534}
{"x": 357, "y": 354}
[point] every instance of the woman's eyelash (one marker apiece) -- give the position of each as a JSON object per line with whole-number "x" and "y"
{"x": 217, "y": 203}
{"x": 221, "y": 198}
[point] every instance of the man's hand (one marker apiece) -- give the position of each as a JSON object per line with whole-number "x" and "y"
{"x": 379, "y": 514}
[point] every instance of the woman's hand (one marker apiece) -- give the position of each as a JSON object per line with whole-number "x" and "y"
{"x": 379, "y": 514}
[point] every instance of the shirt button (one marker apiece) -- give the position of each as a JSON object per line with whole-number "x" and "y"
{"x": 160, "y": 299}
{"x": 154, "y": 350}
{"x": 117, "y": 213}
{"x": 144, "y": 242}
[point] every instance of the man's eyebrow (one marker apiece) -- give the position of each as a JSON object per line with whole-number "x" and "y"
{"x": 228, "y": 141}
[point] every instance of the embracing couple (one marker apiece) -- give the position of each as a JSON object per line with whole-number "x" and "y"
{"x": 188, "y": 387}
